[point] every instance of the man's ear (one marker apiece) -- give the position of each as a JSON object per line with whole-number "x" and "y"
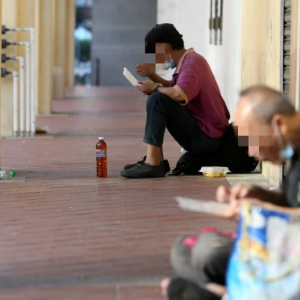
{"x": 282, "y": 122}
{"x": 278, "y": 119}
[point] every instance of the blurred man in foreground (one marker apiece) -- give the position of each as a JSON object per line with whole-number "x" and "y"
{"x": 271, "y": 124}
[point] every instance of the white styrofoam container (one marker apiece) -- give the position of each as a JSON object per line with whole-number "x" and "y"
{"x": 214, "y": 171}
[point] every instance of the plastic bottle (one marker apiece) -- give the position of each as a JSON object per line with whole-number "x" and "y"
{"x": 101, "y": 158}
{"x": 6, "y": 174}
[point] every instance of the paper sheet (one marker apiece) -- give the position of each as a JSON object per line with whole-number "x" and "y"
{"x": 207, "y": 207}
{"x": 130, "y": 77}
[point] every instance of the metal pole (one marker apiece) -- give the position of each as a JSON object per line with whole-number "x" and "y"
{"x": 22, "y": 102}
{"x": 16, "y": 103}
{"x": 28, "y": 98}
{"x": 33, "y": 83}
{"x": 28, "y": 90}
{"x": 32, "y": 102}
{"x": 211, "y": 27}
{"x": 216, "y": 21}
{"x": 221, "y": 23}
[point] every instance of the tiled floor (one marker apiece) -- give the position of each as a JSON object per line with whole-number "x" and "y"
{"x": 66, "y": 234}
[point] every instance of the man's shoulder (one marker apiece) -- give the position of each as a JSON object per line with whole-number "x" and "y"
{"x": 195, "y": 59}
{"x": 195, "y": 55}
{"x": 296, "y": 158}
{"x": 192, "y": 61}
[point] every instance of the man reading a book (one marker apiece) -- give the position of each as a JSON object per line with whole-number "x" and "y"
{"x": 270, "y": 123}
{"x": 190, "y": 106}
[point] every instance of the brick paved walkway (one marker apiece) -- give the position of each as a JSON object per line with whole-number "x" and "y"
{"x": 66, "y": 234}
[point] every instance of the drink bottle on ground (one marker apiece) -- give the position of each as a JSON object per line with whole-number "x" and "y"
{"x": 6, "y": 174}
{"x": 101, "y": 158}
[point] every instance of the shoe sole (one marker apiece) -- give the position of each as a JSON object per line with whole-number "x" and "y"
{"x": 136, "y": 177}
{"x": 168, "y": 169}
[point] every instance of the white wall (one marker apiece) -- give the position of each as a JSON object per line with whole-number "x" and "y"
{"x": 191, "y": 18}
{"x": 228, "y": 57}
{"x": 167, "y": 11}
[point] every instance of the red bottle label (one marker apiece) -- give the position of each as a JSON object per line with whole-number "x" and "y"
{"x": 100, "y": 153}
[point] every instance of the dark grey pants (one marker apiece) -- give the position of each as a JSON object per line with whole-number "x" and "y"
{"x": 206, "y": 262}
{"x": 164, "y": 113}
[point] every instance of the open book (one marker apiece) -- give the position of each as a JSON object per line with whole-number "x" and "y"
{"x": 206, "y": 207}
{"x": 130, "y": 77}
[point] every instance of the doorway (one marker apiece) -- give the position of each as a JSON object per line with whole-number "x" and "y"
{"x": 83, "y": 42}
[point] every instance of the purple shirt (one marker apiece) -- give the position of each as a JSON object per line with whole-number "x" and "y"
{"x": 195, "y": 81}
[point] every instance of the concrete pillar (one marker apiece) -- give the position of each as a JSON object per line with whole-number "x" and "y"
{"x": 261, "y": 53}
{"x": 46, "y": 54}
{"x": 0, "y": 80}
{"x": 9, "y": 18}
{"x": 54, "y": 23}
{"x": 70, "y": 45}
{"x": 60, "y": 48}
{"x": 295, "y": 54}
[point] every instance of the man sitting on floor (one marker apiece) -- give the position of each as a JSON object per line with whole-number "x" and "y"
{"x": 270, "y": 122}
{"x": 190, "y": 106}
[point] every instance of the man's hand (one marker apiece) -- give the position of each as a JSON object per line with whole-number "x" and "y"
{"x": 236, "y": 196}
{"x": 145, "y": 70}
{"x": 147, "y": 87}
{"x": 239, "y": 192}
{"x": 232, "y": 212}
{"x": 272, "y": 207}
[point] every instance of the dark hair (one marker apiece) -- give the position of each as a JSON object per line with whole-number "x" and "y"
{"x": 163, "y": 33}
{"x": 149, "y": 48}
{"x": 267, "y": 102}
{"x": 178, "y": 44}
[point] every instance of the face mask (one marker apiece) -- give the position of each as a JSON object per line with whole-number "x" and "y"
{"x": 286, "y": 152}
{"x": 169, "y": 64}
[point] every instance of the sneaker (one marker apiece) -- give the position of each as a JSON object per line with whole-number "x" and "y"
{"x": 132, "y": 165}
{"x": 143, "y": 170}
{"x": 164, "y": 162}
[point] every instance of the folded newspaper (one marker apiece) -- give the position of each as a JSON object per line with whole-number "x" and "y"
{"x": 206, "y": 207}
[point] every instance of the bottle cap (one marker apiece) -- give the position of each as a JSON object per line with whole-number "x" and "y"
{"x": 100, "y": 138}
{"x": 13, "y": 174}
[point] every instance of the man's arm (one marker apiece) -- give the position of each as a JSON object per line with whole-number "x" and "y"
{"x": 240, "y": 192}
{"x": 147, "y": 87}
{"x": 276, "y": 197}
{"x": 148, "y": 70}
{"x": 172, "y": 93}
{"x": 270, "y": 206}
{"x": 156, "y": 78}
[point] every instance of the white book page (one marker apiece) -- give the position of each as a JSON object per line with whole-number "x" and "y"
{"x": 206, "y": 207}
{"x": 130, "y": 77}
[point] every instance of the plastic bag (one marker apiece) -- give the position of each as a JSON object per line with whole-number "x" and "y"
{"x": 265, "y": 263}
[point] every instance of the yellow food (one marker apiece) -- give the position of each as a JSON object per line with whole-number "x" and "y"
{"x": 214, "y": 175}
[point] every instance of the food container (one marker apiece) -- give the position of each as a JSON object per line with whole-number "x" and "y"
{"x": 214, "y": 172}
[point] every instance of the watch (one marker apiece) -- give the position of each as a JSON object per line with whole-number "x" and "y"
{"x": 156, "y": 88}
